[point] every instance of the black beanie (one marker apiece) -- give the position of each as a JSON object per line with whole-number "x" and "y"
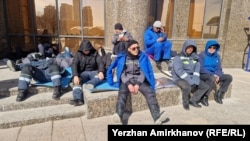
{"x": 118, "y": 26}
{"x": 131, "y": 42}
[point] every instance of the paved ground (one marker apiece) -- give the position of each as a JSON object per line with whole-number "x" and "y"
{"x": 234, "y": 110}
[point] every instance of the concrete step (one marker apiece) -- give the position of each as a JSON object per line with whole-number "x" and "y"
{"x": 36, "y": 108}
{"x": 40, "y": 107}
{"x": 42, "y": 99}
{"x": 17, "y": 118}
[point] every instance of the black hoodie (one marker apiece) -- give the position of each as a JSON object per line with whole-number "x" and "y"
{"x": 86, "y": 62}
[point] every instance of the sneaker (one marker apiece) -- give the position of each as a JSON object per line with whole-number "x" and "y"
{"x": 161, "y": 119}
{"x": 88, "y": 86}
{"x": 76, "y": 102}
{"x": 117, "y": 119}
{"x": 158, "y": 65}
{"x": 168, "y": 73}
{"x": 22, "y": 94}
{"x": 11, "y": 64}
{"x": 113, "y": 56}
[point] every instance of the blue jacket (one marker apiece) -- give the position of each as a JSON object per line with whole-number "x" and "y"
{"x": 119, "y": 63}
{"x": 210, "y": 63}
{"x": 150, "y": 37}
{"x": 187, "y": 66}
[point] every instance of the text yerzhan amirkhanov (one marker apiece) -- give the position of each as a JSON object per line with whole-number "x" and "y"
{"x": 153, "y": 132}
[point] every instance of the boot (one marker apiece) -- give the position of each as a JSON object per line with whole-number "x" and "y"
{"x": 22, "y": 94}
{"x": 57, "y": 93}
{"x": 204, "y": 100}
{"x": 186, "y": 105}
{"x": 218, "y": 96}
{"x": 118, "y": 116}
{"x": 158, "y": 117}
{"x": 195, "y": 104}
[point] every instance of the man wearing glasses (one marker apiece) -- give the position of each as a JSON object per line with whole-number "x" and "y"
{"x": 211, "y": 72}
{"x": 134, "y": 73}
{"x": 157, "y": 45}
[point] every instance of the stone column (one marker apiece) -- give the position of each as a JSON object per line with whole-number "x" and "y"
{"x": 132, "y": 14}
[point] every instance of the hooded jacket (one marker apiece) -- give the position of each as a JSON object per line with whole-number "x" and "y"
{"x": 187, "y": 66}
{"x": 80, "y": 59}
{"x": 119, "y": 64}
{"x": 210, "y": 63}
{"x": 150, "y": 37}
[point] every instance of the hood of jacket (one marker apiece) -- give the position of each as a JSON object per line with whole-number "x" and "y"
{"x": 212, "y": 43}
{"x": 86, "y": 45}
{"x": 189, "y": 43}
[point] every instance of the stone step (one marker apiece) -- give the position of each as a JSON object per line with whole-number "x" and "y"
{"x": 17, "y": 118}
{"x": 42, "y": 99}
{"x": 36, "y": 108}
{"x": 40, "y": 107}
{"x": 103, "y": 104}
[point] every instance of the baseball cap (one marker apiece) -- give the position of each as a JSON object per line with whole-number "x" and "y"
{"x": 157, "y": 24}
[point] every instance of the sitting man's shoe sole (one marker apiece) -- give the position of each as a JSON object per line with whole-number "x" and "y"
{"x": 195, "y": 104}
{"x": 20, "y": 98}
{"x": 162, "y": 118}
{"x": 79, "y": 103}
{"x": 72, "y": 102}
{"x": 56, "y": 97}
{"x": 117, "y": 119}
{"x": 11, "y": 64}
{"x": 88, "y": 86}
{"x": 186, "y": 106}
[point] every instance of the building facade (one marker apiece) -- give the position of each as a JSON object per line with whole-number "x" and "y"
{"x": 22, "y": 22}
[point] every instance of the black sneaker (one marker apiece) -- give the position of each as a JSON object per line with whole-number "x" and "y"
{"x": 72, "y": 102}
{"x": 22, "y": 94}
{"x": 76, "y": 102}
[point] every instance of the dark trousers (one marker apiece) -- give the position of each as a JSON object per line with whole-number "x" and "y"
{"x": 123, "y": 93}
{"x": 87, "y": 77}
{"x": 120, "y": 47}
{"x": 49, "y": 74}
{"x": 224, "y": 82}
{"x": 198, "y": 91}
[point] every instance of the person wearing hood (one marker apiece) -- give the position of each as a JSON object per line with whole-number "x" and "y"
{"x": 211, "y": 71}
{"x": 88, "y": 69}
{"x": 134, "y": 73}
{"x": 186, "y": 75}
{"x": 156, "y": 44}
{"x": 120, "y": 39}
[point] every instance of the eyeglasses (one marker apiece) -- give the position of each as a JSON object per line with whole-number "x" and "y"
{"x": 158, "y": 28}
{"x": 213, "y": 47}
{"x": 134, "y": 48}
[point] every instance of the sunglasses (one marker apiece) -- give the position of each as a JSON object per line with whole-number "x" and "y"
{"x": 212, "y": 47}
{"x": 134, "y": 48}
{"x": 158, "y": 28}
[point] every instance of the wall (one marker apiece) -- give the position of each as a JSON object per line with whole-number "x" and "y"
{"x": 134, "y": 16}
{"x": 3, "y": 45}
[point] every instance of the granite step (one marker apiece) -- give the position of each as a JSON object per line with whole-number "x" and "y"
{"x": 42, "y": 99}
{"x": 17, "y": 118}
{"x": 36, "y": 108}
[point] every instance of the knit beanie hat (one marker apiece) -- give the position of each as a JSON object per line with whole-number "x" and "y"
{"x": 131, "y": 42}
{"x": 118, "y": 26}
{"x": 132, "y": 56}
